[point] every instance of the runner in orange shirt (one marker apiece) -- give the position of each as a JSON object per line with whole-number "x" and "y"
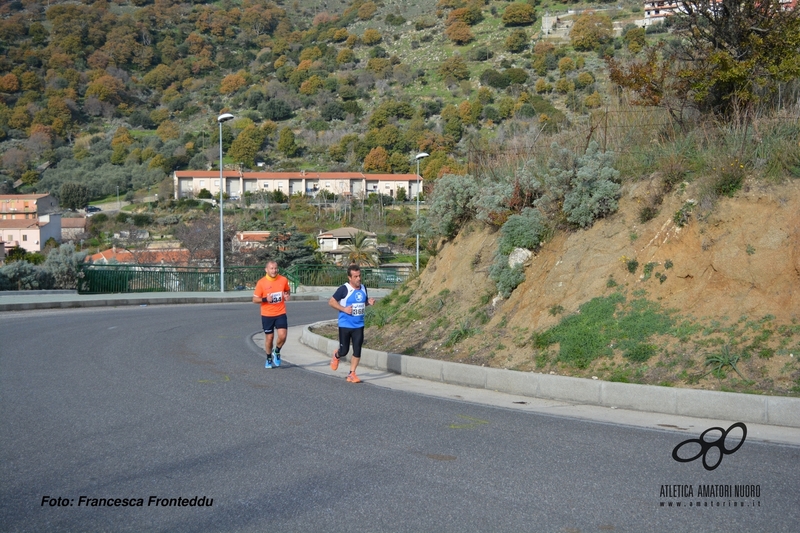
{"x": 272, "y": 292}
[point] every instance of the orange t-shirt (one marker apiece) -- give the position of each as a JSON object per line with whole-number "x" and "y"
{"x": 272, "y": 290}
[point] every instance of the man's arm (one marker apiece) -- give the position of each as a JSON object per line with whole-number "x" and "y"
{"x": 336, "y": 305}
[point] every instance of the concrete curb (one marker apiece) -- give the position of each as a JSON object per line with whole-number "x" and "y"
{"x": 120, "y": 300}
{"x": 772, "y": 410}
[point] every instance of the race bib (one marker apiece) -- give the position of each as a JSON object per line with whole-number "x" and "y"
{"x": 358, "y": 309}
{"x": 276, "y": 297}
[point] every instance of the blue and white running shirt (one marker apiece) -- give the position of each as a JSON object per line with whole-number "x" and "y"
{"x": 346, "y": 295}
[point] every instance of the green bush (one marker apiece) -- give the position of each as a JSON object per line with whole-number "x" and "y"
{"x": 24, "y": 276}
{"x": 506, "y": 278}
{"x": 451, "y": 207}
{"x": 585, "y": 186}
{"x": 142, "y": 219}
{"x": 526, "y": 230}
{"x": 64, "y": 265}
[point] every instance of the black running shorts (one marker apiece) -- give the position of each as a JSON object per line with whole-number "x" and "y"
{"x": 271, "y": 323}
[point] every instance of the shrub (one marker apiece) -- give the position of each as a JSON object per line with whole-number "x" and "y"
{"x": 525, "y": 230}
{"x": 730, "y": 179}
{"x": 506, "y": 278}
{"x": 495, "y": 79}
{"x": 583, "y": 183}
{"x": 142, "y": 219}
{"x": 23, "y": 276}
{"x": 64, "y": 265}
{"x": 451, "y": 207}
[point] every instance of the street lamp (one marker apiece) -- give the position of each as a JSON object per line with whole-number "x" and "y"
{"x": 225, "y": 117}
{"x": 118, "y": 205}
{"x": 421, "y": 155}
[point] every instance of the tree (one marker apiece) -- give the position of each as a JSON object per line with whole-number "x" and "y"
{"x": 311, "y": 86}
{"x": 232, "y": 83}
{"x": 106, "y": 89}
{"x": 371, "y": 37}
{"x": 738, "y": 52}
{"x": 367, "y": 10}
{"x": 9, "y": 83}
{"x": 377, "y": 160}
{"x": 287, "y": 143}
{"x": 469, "y": 15}
{"x": 454, "y": 67}
{"x": 590, "y": 30}
{"x": 517, "y": 41}
{"x": 459, "y": 33}
{"x": 247, "y": 145}
{"x": 635, "y": 39}
{"x": 518, "y": 14}
{"x": 74, "y": 195}
{"x": 346, "y": 55}
{"x": 361, "y": 251}
{"x": 286, "y": 246}
{"x": 198, "y": 236}
{"x": 332, "y": 111}
{"x": 168, "y": 130}
{"x": 276, "y": 109}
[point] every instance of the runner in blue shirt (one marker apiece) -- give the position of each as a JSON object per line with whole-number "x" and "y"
{"x": 350, "y": 300}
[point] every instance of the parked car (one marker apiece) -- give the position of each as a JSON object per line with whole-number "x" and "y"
{"x": 92, "y": 209}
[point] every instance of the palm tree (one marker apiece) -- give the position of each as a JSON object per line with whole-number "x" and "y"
{"x": 360, "y": 251}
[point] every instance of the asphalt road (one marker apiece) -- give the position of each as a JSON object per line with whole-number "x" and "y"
{"x": 173, "y": 402}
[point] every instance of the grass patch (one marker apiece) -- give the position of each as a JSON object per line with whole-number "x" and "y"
{"x": 603, "y": 324}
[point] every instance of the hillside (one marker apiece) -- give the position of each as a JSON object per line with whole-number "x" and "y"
{"x": 732, "y": 289}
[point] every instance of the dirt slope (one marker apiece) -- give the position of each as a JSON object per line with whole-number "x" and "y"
{"x": 734, "y": 274}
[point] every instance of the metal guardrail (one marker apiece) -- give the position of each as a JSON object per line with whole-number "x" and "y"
{"x": 107, "y": 279}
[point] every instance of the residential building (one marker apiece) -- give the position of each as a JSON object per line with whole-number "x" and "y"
{"x": 656, "y": 10}
{"x": 72, "y": 228}
{"x": 247, "y": 241}
{"x": 31, "y": 233}
{"x": 334, "y": 241}
{"x": 160, "y": 256}
{"x": 188, "y": 183}
{"x": 26, "y": 206}
{"x": 29, "y": 220}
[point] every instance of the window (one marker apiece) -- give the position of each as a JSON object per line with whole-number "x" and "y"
{"x": 202, "y": 183}
{"x": 266, "y": 185}
{"x": 280, "y": 185}
{"x": 388, "y": 187}
{"x": 216, "y": 183}
{"x": 24, "y": 237}
{"x": 327, "y": 183}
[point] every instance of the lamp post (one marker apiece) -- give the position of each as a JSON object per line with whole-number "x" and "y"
{"x": 225, "y": 117}
{"x": 118, "y": 205}
{"x": 421, "y": 155}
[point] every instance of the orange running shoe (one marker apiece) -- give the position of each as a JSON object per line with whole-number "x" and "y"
{"x": 335, "y": 360}
{"x": 352, "y": 378}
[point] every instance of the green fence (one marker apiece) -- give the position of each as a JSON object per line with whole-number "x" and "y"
{"x": 105, "y": 279}
{"x": 333, "y": 276}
